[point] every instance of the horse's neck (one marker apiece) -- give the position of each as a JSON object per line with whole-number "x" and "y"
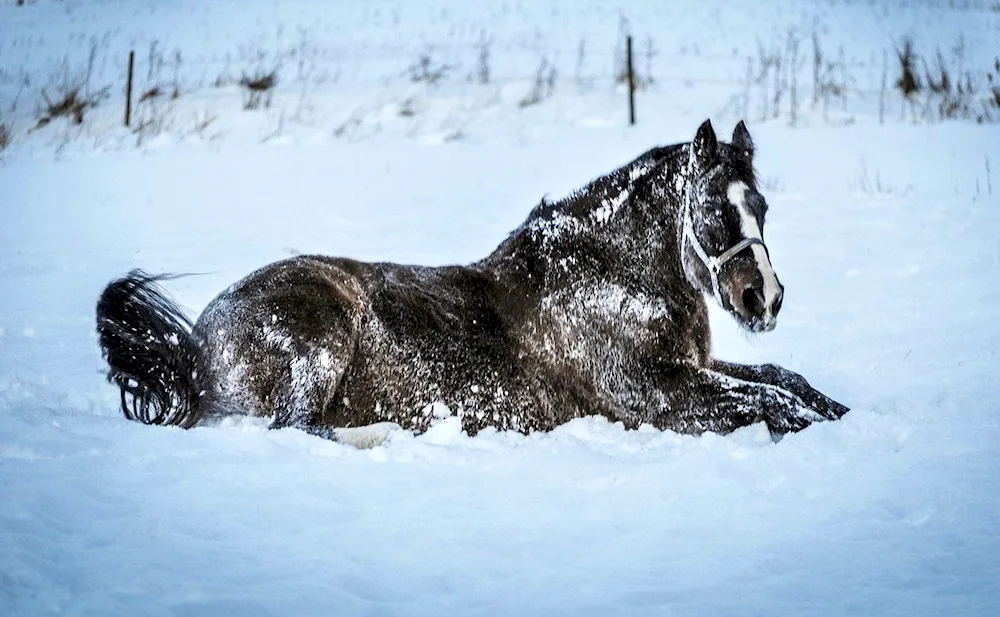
{"x": 611, "y": 233}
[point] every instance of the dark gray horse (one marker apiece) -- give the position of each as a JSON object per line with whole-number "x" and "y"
{"x": 595, "y": 305}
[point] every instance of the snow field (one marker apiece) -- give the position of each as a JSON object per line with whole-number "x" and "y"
{"x": 884, "y": 237}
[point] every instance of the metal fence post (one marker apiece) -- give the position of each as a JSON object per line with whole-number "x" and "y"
{"x": 128, "y": 88}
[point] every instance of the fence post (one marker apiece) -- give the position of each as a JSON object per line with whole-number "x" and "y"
{"x": 128, "y": 88}
{"x": 631, "y": 81}
{"x": 881, "y": 92}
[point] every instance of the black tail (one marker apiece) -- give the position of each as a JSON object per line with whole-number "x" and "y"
{"x": 151, "y": 353}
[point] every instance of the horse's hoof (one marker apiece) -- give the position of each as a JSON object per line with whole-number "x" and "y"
{"x": 838, "y": 410}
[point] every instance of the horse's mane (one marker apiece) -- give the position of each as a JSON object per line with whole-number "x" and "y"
{"x": 651, "y": 157}
{"x": 549, "y": 209}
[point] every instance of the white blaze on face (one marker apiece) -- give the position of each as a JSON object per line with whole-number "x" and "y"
{"x": 748, "y": 222}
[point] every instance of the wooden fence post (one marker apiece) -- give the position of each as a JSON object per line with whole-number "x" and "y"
{"x": 631, "y": 81}
{"x": 128, "y": 88}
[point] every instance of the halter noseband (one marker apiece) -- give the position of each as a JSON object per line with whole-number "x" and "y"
{"x": 713, "y": 264}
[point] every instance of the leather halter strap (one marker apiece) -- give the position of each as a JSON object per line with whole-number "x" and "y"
{"x": 713, "y": 264}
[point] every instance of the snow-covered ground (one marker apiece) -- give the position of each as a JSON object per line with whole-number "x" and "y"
{"x": 885, "y": 236}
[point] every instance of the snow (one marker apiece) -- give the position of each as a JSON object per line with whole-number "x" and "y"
{"x": 892, "y": 306}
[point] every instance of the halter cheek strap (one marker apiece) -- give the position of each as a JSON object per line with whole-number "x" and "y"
{"x": 713, "y": 264}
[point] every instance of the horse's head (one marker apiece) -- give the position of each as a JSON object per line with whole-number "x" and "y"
{"x": 723, "y": 249}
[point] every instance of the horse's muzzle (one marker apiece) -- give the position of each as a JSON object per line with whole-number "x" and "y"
{"x": 762, "y": 312}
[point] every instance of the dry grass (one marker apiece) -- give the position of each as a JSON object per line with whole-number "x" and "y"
{"x": 427, "y": 70}
{"x": 484, "y": 52}
{"x": 258, "y": 87}
{"x": 943, "y": 89}
{"x": 908, "y": 83}
{"x": 872, "y": 184}
{"x": 543, "y": 86}
{"x": 70, "y": 104}
{"x": 993, "y": 85}
{"x": 5, "y": 136}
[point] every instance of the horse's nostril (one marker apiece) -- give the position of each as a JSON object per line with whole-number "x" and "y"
{"x": 753, "y": 301}
{"x": 777, "y": 302}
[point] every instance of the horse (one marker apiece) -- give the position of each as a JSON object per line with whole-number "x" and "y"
{"x": 595, "y": 305}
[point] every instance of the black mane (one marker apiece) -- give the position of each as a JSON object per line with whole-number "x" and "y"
{"x": 652, "y": 157}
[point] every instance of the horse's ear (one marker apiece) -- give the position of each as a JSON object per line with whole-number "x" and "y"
{"x": 741, "y": 140}
{"x": 704, "y": 146}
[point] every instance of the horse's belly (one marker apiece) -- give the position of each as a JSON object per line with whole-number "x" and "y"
{"x": 415, "y": 383}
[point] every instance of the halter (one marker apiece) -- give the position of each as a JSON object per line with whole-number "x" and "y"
{"x": 713, "y": 264}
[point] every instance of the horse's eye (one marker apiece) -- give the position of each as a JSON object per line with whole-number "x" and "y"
{"x": 713, "y": 208}
{"x": 758, "y": 204}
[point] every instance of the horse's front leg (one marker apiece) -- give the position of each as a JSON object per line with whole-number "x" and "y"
{"x": 692, "y": 400}
{"x": 787, "y": 380}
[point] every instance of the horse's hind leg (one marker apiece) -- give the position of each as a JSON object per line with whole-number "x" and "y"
{"x": 302, "y": 393}
{"x": 787, "y": 380}
{"x": 280, "y": 341}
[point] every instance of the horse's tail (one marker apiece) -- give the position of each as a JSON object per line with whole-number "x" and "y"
{"x": 152, "y": 355}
